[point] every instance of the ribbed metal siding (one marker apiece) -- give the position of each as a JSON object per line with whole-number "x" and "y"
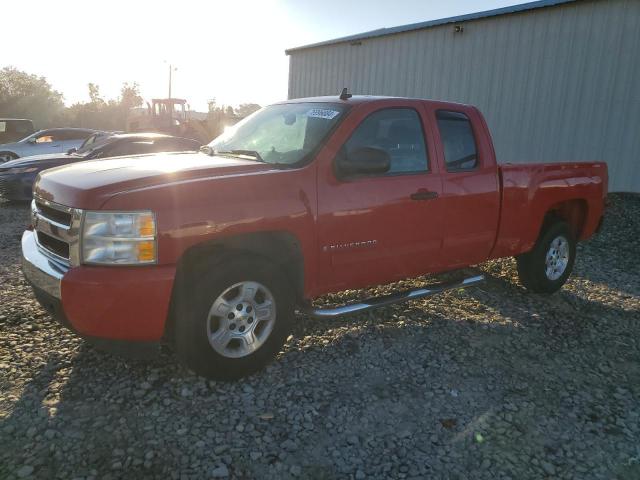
{"x": 555, "y": 84}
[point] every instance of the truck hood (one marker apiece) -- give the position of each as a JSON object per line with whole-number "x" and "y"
{"x": 91, "y": 183}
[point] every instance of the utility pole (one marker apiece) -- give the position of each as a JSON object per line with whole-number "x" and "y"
{"x": 170, "y": 105}
{"x": 170, "y": 71}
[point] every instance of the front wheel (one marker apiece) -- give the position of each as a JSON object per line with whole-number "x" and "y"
{"x": 233, "y": 318}
{"x": 546, "y": 268}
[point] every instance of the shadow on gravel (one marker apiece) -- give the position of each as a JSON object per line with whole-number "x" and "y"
{"x": 560, "y": 313}
{"x": 91, "y": 400}
{"x": 611, "y": 257}
{"x": 31, "y": 404}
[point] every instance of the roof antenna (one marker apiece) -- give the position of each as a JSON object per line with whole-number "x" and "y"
{"x": 345, "y": 95}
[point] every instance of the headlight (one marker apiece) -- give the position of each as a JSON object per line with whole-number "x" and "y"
{"x": 120, "y": 238}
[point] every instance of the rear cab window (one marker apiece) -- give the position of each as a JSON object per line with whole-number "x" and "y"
{"x": 458, "y": 141}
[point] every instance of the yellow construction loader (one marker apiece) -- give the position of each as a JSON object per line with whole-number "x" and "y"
{"x": 170, "y": 116}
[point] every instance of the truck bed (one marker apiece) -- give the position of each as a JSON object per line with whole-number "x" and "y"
{"x": 531, "y": 191}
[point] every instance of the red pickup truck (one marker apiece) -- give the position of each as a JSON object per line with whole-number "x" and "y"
{"x": 214, "y": 252}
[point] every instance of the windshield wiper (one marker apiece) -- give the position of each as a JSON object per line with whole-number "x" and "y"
{"x": 244, "y": 153}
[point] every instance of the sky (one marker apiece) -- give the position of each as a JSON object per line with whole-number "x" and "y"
{"x": 231, "y": 51}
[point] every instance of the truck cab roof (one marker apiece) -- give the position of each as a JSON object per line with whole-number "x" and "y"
{"x": 360, "y": 99}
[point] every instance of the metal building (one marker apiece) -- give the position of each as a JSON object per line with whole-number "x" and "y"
{"x": 556, "y": 79}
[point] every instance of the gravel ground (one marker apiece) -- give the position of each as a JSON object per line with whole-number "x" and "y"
{"x": 486, "y": 383}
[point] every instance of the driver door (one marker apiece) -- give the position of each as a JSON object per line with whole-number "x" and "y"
{"x": 379, "y": 228}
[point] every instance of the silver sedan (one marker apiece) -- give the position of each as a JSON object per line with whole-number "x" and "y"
{"x": 53, "y": 140}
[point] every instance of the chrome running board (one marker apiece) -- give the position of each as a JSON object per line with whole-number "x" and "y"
{"x": 377, "y": 302}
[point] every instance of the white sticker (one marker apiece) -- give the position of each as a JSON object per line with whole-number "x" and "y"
{"x": 323, "y": 113}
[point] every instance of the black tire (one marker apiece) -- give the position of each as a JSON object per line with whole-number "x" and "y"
{"x": 532, "y": 268}
{"x": 195, "y": 299}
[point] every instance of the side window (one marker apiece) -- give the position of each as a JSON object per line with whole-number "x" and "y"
{"x": 73, "y": 134}
{"x": 460, "y": 152}
{"x": 399, "y": 132}
{"x": 50, "y": 136}
{"x": 46, "y": 137}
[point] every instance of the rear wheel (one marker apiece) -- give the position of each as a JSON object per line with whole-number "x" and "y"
{"x": 233, "y": 318}
{"x": 548, "y": 265}
{"x": 6, "y": 156}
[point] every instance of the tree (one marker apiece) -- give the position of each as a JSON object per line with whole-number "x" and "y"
{"x": 246, "y": 109}
{"x": 218, "y": 117}
{"x": 130, "y": 95}
{"x": 129, "y": 98}
{"x": 94, "y": 94}
{"x": 104, "y": 114}
{"x": 23, "y": 95}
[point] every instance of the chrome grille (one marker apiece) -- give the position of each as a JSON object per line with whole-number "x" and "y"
{"x": 57, "y": 230}
{"x": 54, "y": 245}
{"x": 58, "y": 215}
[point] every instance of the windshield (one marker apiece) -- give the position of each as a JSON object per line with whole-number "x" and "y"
{"x": 283, "y": 134}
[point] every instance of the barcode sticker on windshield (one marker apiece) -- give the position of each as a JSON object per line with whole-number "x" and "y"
{"x": 323, "y": 113}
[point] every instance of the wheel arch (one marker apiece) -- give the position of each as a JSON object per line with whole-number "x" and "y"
{"x": 574, "y": 212}
{"x": 279, "y": 247}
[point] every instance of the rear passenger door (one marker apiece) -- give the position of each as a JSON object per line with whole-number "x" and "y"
{"x": 470, "y": 188}
{"x": 381, "y": 227}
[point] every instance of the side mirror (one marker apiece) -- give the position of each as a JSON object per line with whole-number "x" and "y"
{"x": 206, "y": 149}
{"x": 363, "y": 161}
{"x": 72, "y": 150}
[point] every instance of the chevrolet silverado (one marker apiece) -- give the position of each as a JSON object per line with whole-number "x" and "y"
{"x": 213, "y": 252}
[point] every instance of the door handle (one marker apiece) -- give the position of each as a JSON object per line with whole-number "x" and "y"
{"x": 424, "y": 195}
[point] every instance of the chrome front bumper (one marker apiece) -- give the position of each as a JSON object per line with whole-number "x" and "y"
{"x": 40, "y": 270}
